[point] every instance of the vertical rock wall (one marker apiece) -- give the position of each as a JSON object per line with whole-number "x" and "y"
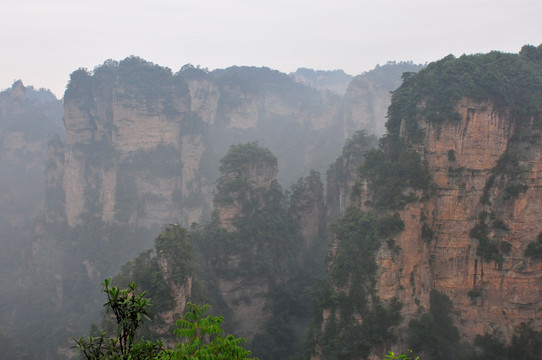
{"x": 488, "y": 295}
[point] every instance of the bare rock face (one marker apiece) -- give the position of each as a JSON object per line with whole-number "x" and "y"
{"x": 366, "y": 106}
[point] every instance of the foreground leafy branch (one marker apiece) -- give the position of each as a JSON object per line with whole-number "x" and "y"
{"x": 201, "y": 337}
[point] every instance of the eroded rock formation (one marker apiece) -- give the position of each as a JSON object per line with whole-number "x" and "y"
{"x": 454, "y": 195}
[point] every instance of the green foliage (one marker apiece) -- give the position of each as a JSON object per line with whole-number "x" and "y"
{"x": 259, "y": 81}
{"x": 352, "y": 155}
{"x": 534, "y": 249}
{"x": 475, "y": 293}
{"x": 434, "y": 333}
{"x": 390, "y": 176}
{"x": 79, "y": 86}
{"x": 202, "y": 338}
{"x": 129, "y": 310}
{"x": 235, "y": 168}
{"x": 513, "y": 191}
{"x": 358, "y": 144}
{"x": 526, "y": 345}
{"x": 144, "y": 270}
{"x": 172, "y": 246}
{"x": 358, "y": 235}
{"x": 135, "y": 79}
{"x": 347, "y": 338}
{"x": 510, "y": 170}
{"x": 97, "y": 154}
{"x": 500, "y": 225}
{"x": 392, "y": 356}
{"x": 127, "y": 201}
{"x": 512, "y": 82}
{"x": 242, "y": 155}
{"x": 265, "y": 245}
{"x": 265, "y": 238}
{"x": 487, "y": 248}
{"x": 427, "y": 233}
{"x": 163, "y": 161}
{"x": 490, "y": 348}
{"x": 451, "y": 155}
{"x": 389, "y": 75}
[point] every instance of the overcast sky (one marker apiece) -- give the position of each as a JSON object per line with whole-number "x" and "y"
{"x": 44, "y": 41}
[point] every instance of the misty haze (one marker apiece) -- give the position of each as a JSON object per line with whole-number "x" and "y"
{"x": 322, "y": 181}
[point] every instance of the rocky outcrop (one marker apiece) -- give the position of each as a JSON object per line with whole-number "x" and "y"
{"x": 488, "y": 294}
{"x": 142, "y": 149}
{"x": 133, "y": 111}
{"x": 448, "y": 208}
{"x": 248, "y": 177}
{"x": 248, "y": 299}
{"x": 369, "y": 95}
{"x": 462, "y": 175}
{"x": 307, "y": 208}
{"x": 29, "y": 118}
{"x": 124, "y": 144}
{"x": 248, "y": 172}
{"x": 343, "y": 174}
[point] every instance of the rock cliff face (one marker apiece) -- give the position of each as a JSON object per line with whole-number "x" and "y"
{"x": 248, "y": 176}
{"x": 343, "y": 173}
{"x": 28, "y": 120}
{"x": 307, "y": 209}
{"x": 468, "y": 239}
{"x": 465, "y": 230}
{"x": 142, "y": 149}
{"x": 368, "y": 97}
{"x": 509, "y": 290}
{"x": 243, "y": 184}
{"x": 261, "y": 250}
{"x": 123, "y": 145}
{"x": 126, "y": 114}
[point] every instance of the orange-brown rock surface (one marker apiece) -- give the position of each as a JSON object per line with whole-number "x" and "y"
{"x": 511, "y": 291}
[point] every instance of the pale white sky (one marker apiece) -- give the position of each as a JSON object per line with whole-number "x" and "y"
{"x": 45, "y": 40}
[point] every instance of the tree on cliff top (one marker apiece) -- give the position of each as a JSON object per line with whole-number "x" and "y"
{"x": 241, "y": 155}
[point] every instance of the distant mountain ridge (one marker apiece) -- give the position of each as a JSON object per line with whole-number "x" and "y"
{"x": 332, "y": 80}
